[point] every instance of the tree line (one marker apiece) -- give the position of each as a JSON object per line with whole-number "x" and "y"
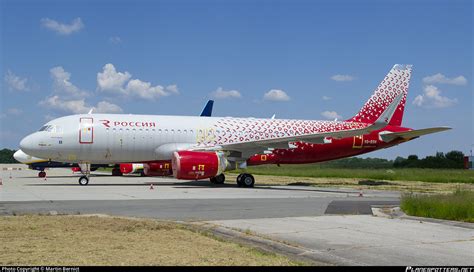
{"x": 6, "y": 156}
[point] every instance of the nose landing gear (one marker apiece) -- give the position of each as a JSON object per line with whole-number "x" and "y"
{"x": 83, "y": 180}
{"x": 85, "y": 170}
{"x": 42, "y": 174}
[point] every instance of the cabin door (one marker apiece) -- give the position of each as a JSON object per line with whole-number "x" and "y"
{"x": 86, "y": 130}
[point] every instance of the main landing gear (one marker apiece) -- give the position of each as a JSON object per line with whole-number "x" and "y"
{"x": 219, "y": 179}
{"x": 42, "y": 174}
{"x": 243, "y": 180}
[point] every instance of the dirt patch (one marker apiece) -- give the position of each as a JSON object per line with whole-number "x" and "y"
{"x": 373, "y": 182}
{"x": 94, "y": 240}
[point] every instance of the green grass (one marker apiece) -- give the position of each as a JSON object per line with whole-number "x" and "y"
{"x": 457, "y": 206}
{"x": 411, "y": 174}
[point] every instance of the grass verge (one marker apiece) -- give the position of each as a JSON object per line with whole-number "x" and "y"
{"x": 457, "y": 206}
{"x": 413, "y": 174}
{"x": 94, "y": 240}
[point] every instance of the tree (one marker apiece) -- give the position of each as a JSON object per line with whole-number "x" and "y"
{"x": 6, "y": 156}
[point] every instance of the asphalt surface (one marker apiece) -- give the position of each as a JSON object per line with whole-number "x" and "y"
{"x": 333, "y": 225}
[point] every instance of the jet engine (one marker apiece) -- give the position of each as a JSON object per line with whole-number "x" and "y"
{"x": 198, "y": 165}
{"x": 157, "y": 168}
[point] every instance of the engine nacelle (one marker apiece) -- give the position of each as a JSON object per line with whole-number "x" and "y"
{"x": 198, "y": 165}
{"x": 128, "y": 168}
{"x": 157, "y": 168}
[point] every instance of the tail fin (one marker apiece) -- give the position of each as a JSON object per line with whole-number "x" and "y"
{"x": 395, "y": 83}
{"x": 207, "y": 111}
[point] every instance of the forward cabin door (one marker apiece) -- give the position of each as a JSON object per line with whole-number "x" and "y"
{"x": 86, "y": 130}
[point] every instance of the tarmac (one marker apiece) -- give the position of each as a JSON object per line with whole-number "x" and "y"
{"x": 332, "y": 225}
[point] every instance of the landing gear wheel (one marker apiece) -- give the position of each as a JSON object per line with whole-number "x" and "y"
{"x": 83, "y": 181}
{"x": 246, "y": 180}
{"x": 42, "y": 174}
{"x": 239, "y": 180}
{"x": 116, "y": 172}
{"x": 219, "y": 179}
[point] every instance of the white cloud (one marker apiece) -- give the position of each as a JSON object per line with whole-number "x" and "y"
{"x": 115, "y": 40}
{"x": 172, "y": 89}
{"x": 142, "y": 89}
{"x": 326, "y": 98}
{"x": 62, "y": 85}
{"x": 431, "y": 98}
{"x": 60, "y": 28}
{"x": 440, "y": 78}
{"x": 70, "y": 106}
{"x": 342, "y": 78}
{"x": 15, "y": 82}
{"x": 109, "y": 80}
{"x": 331, "y": 115}
{"x": 276, "y": 95}
{"x": 69, "y": 98}
{"x": 78, "y": 106}
{"x": 222, "y": 94}
{"x": 106, "y": 107}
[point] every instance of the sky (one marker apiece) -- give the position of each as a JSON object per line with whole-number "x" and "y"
{"x": 295, "y": 59}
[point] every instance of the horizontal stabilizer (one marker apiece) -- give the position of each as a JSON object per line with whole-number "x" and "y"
{"x": 408, "y": 135}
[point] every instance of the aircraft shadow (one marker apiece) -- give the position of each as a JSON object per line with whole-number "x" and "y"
{"x": 193, "y": 185}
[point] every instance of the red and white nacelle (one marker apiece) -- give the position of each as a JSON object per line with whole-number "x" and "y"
{"x": 198, "y": 165}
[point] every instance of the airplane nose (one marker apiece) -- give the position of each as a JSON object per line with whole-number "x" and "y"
{"x": 17, "y": 155}
{"x": 27, "y": 144}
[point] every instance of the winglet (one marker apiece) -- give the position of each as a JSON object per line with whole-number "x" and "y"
{"x": 207, "y": 111}
{"x": 90, "y": 111}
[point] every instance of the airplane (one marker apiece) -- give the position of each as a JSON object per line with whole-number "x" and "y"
{"x": 204, "y": 148}
{"x": 153, "y": 169}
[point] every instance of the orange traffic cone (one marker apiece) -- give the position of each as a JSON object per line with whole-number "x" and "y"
{"x": 151, "y": 186}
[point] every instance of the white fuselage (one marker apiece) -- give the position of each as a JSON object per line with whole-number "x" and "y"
{"x": 114, "y": 138}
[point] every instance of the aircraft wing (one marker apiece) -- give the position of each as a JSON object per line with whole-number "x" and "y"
{"x": 258, "y": 146}
{"x": 410, "y": 135}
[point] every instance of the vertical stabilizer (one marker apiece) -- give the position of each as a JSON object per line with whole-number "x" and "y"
{"x": 395, "y": 83}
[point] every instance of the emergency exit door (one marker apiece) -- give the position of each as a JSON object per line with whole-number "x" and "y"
{"x": 358, "y": 141}
{"x": 86, "y": 130}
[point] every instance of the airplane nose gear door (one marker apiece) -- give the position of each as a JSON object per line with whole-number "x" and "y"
{"x": 86, "y": 130}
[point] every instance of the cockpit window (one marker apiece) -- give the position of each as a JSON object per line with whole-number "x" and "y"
{"x": 51, "y": 128}
{"x": 44, "y": 128}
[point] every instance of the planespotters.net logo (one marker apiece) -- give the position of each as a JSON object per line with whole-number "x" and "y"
{"x": 438, "y": 269}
